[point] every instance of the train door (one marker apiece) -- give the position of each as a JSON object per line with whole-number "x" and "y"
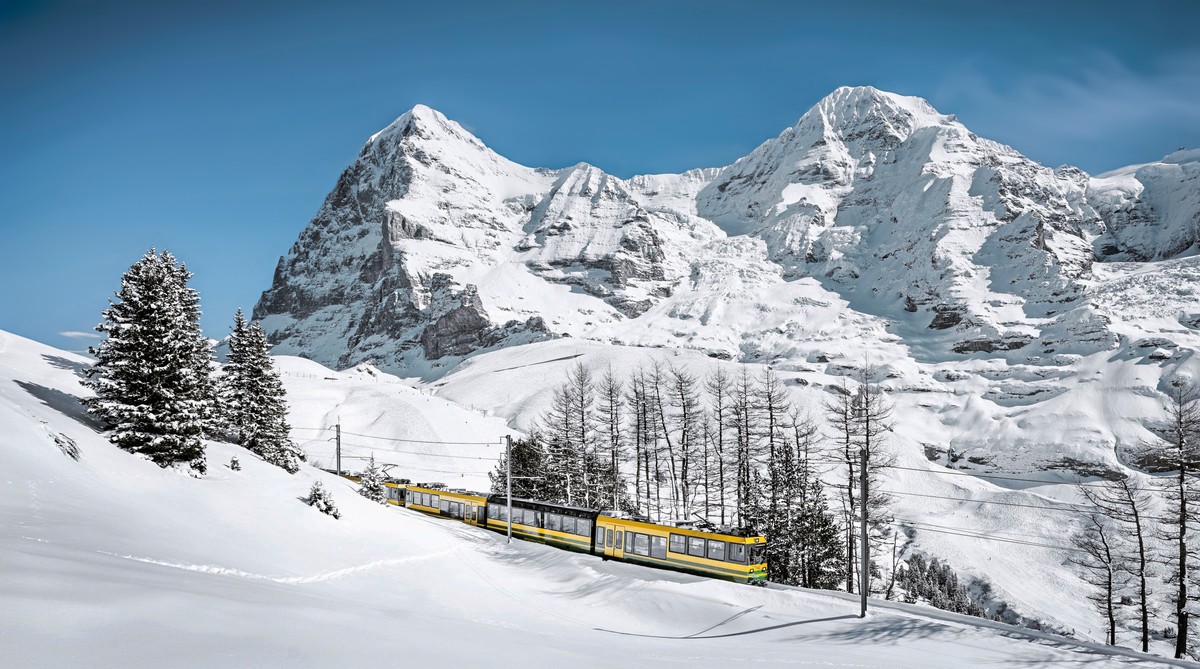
{"x": 607, "y": 534}
{"x": 613, "y": 542}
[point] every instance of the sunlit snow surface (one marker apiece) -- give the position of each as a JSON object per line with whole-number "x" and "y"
{"x": 110, "y": 561}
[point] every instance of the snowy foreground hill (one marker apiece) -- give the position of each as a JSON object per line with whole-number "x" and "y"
{"x": 110, "y": 561}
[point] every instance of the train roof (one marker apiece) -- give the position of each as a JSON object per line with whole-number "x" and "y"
{"x": 528, "y": 503}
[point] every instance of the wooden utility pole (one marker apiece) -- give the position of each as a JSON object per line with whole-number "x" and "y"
{"x": 339, "y": 447}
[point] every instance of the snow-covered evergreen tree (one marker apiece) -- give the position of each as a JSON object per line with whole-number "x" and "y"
{"x": 528, "y": 470}
{"x": 371, "y": 484}
{"x": 151, "y": 376}
{"x": 253, "y": 407}
{"x": 321, "y": 499}
{"x": 235, "y": 464}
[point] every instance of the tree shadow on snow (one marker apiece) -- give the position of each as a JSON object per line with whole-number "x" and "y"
{"x": 703, "y": 634}
{"x": 888, "y": 630}
{"x": 59, "y": 362}
{"x": 68, "y": 405}
{"x": 1082, "y": 656}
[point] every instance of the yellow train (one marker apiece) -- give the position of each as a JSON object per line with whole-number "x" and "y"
{"x": 725, "y": 556}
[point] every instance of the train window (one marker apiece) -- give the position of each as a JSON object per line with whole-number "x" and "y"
{"x": 568, "y": 525}
{"x": 617, "y": 542}
{"x": 446, "y": 505}
{"x": 658, "y": 547}
{"x": 696, "y": 546}
{"x": 501, "y": 513}
{"x": 583, "y": 527}
{"x": 758, "y": 554}
{"x": 641, "y": 544}
{"x": 433, "y": 501}
{"x": 554, "y": 522}
{"x": 678, "y": 543}
{"x": 608, "y": 540}
{"x": 716, "y": 550}
{"x": 736, "y": 553}
{"x": 629, "y": 542}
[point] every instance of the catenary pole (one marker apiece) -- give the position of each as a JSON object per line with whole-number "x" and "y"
{"x": 508, "y": 461}
{"x": 864, "y": 582}
{"x": 339, "y": 447}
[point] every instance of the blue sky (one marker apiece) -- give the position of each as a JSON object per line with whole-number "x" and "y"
{"x": 215, "y": 129}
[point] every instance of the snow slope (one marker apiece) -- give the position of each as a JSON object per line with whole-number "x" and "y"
{"x": 110, "y": 561}
{"x": 410, "y": 429}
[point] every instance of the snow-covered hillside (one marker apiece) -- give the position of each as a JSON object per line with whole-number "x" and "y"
{"x": 110, "y": 561}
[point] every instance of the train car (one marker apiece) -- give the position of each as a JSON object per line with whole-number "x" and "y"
{"x": 467, "y": 507}
{"x": 724, "y": 556}
{"x": 395, "y": 493}
{"x": 554, "y": 524}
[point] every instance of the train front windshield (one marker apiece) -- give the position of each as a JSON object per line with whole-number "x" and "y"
{"x": 758, "y": 553}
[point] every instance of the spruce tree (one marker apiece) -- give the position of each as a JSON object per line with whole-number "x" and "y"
{"x": 253, "y": 406}
{"x": 151, "y": 376}
{"x": 529, "y": 465}
{"x": 370, "y": 485}
{"x": 322, "y": 500}
{"x": 820, "y": 540}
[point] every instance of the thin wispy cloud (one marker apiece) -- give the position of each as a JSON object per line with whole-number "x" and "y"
{"x": 74, "y": 334}
{"x": 1103, "y": 100}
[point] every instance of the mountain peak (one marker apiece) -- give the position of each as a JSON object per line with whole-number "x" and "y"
{"x": 849, "y": 111}
{"x": 426, "y": 122}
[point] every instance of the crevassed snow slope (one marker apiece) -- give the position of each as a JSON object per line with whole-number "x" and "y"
{"x": 110, "y": 561}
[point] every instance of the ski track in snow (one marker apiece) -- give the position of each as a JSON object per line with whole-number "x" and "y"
{"x": 288, "y": 580}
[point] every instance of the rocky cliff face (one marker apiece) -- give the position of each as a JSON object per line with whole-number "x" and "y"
{"x": 874, "y": 212}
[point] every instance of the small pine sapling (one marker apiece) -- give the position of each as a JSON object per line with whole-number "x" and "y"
{"x": 322, "y": 500}
{"x": 371, "y": 484}
{"x": 234, "y": 464}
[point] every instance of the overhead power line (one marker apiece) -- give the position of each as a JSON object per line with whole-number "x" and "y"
{"x": 400, "y": 439}
{"x": 1070, "y": 509}
{"x": 941, "y": 529}
{"x": 949, "y": 472}
{"x": 431, "y": 455}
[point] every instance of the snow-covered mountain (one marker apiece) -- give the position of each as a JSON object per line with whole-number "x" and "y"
{"x": 432, "y": 246}
{"x": 993, "y": 292}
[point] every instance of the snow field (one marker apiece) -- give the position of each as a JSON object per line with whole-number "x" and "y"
{"x": 111, "y": 561}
